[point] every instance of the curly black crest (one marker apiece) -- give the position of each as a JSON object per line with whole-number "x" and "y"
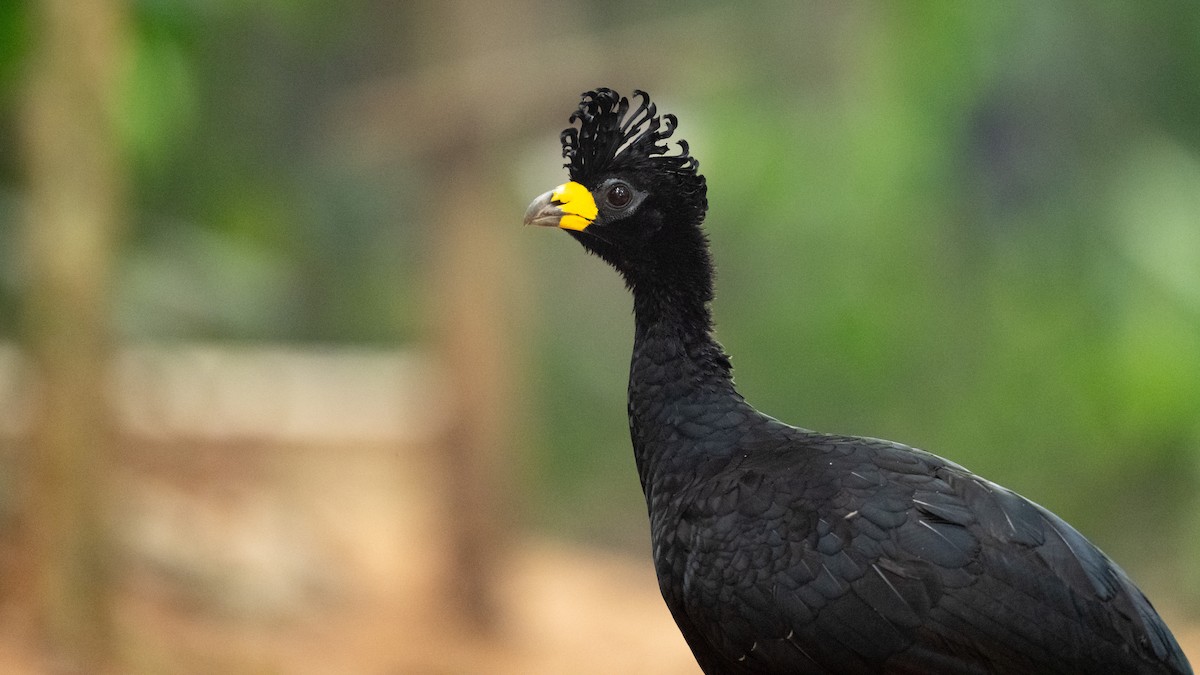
{"x": 611, "y": 138}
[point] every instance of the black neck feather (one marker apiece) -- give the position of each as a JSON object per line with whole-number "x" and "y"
{"x": 680, "y": 380}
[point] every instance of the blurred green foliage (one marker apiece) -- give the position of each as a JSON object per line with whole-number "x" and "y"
{"x": 972, "y": 227}
{"x": 246, "y": 224}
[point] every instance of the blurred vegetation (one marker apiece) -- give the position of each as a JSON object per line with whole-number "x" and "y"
{"x": 971, "y": 227}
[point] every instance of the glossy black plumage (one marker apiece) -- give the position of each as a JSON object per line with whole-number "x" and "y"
{"x": 783, "y": 550}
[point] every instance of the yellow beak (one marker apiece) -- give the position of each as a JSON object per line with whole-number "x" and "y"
{"x": 569, "y": 206}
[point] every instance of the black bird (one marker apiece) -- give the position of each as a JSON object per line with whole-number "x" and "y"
{"x": 784, "y": 550}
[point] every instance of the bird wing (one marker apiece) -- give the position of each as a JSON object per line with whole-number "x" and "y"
{"x": 865, "y": 556}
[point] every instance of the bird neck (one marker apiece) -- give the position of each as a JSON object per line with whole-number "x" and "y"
{"x": 682, "y": 400}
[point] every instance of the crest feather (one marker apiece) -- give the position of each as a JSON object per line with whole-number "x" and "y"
{"x": 610, "y": 137}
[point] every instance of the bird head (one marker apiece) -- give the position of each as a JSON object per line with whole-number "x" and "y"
{"x": 630, "y": 199}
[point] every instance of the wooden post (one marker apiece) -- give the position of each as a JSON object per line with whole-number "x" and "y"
{"x": 470, "y": 299}
{"x": 473, "y": 338}
{"x": 75, "y": 189}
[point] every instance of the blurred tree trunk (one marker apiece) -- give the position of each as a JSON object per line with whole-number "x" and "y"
{"x": 472, "y": 276}
{"x": 76, "y": 192}
{"x": 475, "y": 353}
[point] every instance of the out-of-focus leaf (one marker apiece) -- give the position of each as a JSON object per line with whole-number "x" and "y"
{"x": 159, "y": 105}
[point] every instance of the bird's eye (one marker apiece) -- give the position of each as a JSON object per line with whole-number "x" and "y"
{"x": 618, "y": 196}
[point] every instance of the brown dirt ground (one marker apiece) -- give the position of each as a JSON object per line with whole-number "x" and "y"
{"x": 563, "y": 610}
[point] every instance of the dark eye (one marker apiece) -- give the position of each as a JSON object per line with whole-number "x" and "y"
{"x": 618, "y": 196}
